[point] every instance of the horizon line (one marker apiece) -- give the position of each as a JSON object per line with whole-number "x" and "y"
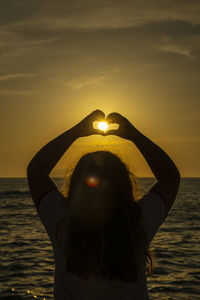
{"x": 136, "y": 177}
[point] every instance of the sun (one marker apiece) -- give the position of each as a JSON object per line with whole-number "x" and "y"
{"x": 102, "y": 125}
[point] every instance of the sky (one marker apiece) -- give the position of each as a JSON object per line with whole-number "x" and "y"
{"x": 60, "y": 60}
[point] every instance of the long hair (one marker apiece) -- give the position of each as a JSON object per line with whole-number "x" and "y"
{"x": 101, "y": 235}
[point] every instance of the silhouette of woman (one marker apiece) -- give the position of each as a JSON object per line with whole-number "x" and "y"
{"x": 100, "y": 232}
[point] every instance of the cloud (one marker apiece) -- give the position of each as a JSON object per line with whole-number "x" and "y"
{"x": 8, "y": 92}
{"x": 50, "y": 15}
{"x": 15, "y": 76}
{"x": 88, "y": 60}
{"x": 76, "y": 83}
{"x": 186, "y": 46}
{"x": 62, "y": 41}
{"x": 176, "y": 49}
{"x": 80, "y": 82}
{"x": 10, "y": 37}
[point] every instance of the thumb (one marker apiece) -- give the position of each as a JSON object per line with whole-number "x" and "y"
{"x": 97, "y": 131}
{"x": 113, "y": 117}
{"x": 97, "y": 115}
{"x": 111, "y": 132}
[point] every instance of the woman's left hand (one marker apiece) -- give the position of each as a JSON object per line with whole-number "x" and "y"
{"x": 85, "y": 127}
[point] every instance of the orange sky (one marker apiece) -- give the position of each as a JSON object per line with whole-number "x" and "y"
{"x": 62, "y": 60}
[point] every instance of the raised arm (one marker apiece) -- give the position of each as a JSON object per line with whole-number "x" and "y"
{"x": 162, "y": 166}
{"x": 46, "y": 158}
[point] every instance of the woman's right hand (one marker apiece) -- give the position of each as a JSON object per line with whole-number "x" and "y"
{"x": 125, "y": 130}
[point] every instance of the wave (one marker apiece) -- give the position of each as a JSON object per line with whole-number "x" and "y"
{"x": 14, "y": 297}
{"x": 20, "y": 294}
{"x": 14, "y": 194}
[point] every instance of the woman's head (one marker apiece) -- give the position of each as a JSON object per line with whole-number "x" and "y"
{"x": 101, "y": 232}
{"x": 98, "y": 183}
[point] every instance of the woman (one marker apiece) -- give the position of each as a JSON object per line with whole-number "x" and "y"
{"x": 100, "y": 232}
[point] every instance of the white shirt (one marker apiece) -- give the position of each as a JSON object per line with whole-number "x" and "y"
{"x": 71, "y": 287}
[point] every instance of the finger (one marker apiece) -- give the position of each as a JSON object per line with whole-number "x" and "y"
{"x": 113, "y": 117}
{"x": 111, "y": 132}
{"x": 93, "y": 116}
{"x": 102, "y": 133}
{"x": 97, "y": 115}
{"x": 96, "y": 131}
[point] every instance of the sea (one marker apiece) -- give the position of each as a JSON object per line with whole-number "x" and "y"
{"x": 26, "y": 255}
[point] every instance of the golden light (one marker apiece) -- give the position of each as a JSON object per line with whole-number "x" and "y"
{"x": 102, "y": 125}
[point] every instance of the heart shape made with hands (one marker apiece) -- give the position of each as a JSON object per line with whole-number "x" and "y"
{"x": 104, "y": 126}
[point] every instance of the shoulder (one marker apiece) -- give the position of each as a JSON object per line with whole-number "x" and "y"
{"x": 53, "y": 202}
{"x": 153, "y": 213}
{"x": 51, "y": 210}
{"x": 151, "y": 202}
{"x": 39, "y": 185}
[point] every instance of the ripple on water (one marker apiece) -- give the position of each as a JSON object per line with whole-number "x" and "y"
{"x": 27, "y": 261}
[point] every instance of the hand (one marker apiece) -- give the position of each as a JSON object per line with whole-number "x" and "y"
{"x": 85, "y": 127}
{"x": 126, "y": 130}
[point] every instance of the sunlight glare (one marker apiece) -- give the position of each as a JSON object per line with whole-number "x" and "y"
{"x": 102, "y": 125}
{"x": 92, "y": 181}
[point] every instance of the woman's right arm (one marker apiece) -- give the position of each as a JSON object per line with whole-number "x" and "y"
{"x": 163, "y": 168}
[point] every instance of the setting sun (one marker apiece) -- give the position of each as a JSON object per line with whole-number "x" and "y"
{"x": 102, "y": 125}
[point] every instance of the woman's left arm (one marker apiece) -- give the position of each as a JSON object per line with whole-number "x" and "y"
{"x": 48, "y": 156}
{"x": 39, "y": 168}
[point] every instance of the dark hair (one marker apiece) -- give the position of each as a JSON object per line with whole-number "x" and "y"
{"x": 112, "y": 249}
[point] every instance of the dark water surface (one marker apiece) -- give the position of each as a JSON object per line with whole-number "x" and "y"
{"x": 27, "y": 264}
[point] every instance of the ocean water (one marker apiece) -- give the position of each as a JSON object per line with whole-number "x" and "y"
{"x": 26, "y": 256}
